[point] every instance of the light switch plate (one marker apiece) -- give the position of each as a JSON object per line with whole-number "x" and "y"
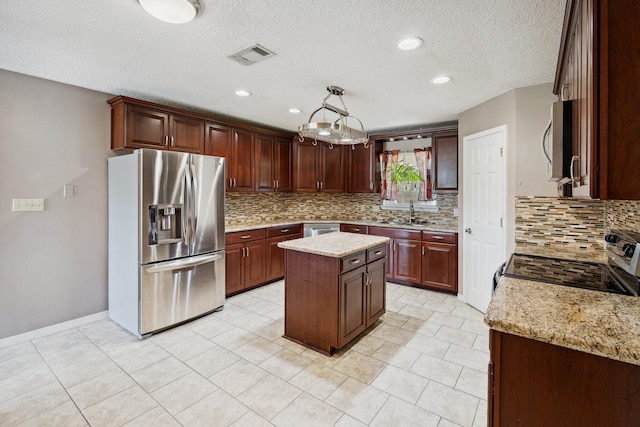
{"x": 23, "y": 205}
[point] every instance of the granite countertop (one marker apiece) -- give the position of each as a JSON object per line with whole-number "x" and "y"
{"x": 336, "y": 245}
{"x": 420, "y": 227}
{"x": 593, "y": 322}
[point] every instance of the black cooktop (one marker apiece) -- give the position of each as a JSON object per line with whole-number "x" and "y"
{"x": 578, "y": 274}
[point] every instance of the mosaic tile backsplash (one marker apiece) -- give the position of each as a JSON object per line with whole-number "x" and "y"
{"x": 578, "y": 224}
{"x": 245, "y": 208}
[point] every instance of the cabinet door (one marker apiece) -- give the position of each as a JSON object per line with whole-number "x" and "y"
{"x": 362, "y": 169}
{"x": 241, "y": 161}
{"x": 216, "y": 140}
{"x": 305, "y": 170}
{"x": 331, "y": 173}
{"x": 376, "y": 291}
{"x": 445, "y": 154}
{"x": 350, "y": 228}
{"x": 282, "y": 164}
{"x": 352, "y": 304}
{"x": 440, "y": 266}
{"x": 406, "y": 260}
{"x": 146, "y": 128}
{"x": 186, "y": 134}
{"x": 234, "y": 271}
{"x": 275, "y": 258}
{"x": 264, "y": 161}
{"x": 254, "y": 263}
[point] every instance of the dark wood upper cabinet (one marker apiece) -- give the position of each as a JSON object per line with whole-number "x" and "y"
{"x": 241, "y": 161}
{"x": 363, "y": 176}
{"x": 273, "y": 163}
{"x": 445, "y": 162}
{"x": 141, "y": 125}
{"x": 217, "y": 138}
{"x": 598, "y": 68}
{"x": 317, "y": 168}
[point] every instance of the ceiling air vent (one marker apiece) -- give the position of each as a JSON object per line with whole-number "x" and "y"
{"x": 251, "y": 55}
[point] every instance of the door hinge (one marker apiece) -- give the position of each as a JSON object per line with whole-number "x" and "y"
{"x": 501, "y": 152}
{"x": 500, "y": 222}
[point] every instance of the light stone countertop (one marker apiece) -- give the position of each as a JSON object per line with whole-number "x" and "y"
{"x": 335, "y": 245}
{"x": 256, "y": 225}
{"x": 593, "y": 322}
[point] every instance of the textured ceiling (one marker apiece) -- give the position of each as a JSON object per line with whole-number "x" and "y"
{"x": 487, "y": 47}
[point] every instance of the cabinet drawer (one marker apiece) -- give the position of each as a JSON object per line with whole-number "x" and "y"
{"x": 285, "y": 230}
{"x": 353, "y": 261}
{"x": 244, "y": 236}
{"x": 351, "y": 228}
{"x": 400, "y": 233}
{"x": 376, "y": 253}
{"x": 430, "y": 236}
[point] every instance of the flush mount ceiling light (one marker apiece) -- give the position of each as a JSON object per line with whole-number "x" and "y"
{"x": 440, "y": 80}
{"x": 410, "y": 43}
{"x": 241, "y": 92}
{"x": 171, "y": 11}
{"x": 333, "y": 132}
{"x": 294, "y": 110}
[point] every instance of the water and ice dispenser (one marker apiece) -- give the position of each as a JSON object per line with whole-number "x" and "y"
{"x": 165, "y": 224}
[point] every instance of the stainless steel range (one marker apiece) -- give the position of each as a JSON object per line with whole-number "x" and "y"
{"x": 619, "y": 275}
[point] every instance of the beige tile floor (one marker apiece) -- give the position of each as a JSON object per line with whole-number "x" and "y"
{"x": 424, "y": 364}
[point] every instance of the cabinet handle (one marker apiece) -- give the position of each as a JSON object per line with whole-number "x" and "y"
{"x": 354, "y": 262}
{"x": 286, "y": 230}
{"x": 235, "y": 182}
{"x": 437, "y": 237}
{"x": 274, "y": 183}
{"x": 356, "y": 229}
{"x": 166, "y": 140}
{"x": 277, "y": 184}
{"x": 242, "y": 252}
{"x": 321, "y": 184}
{"x": 172, "y": 141}
{"x": 423, "y": 251}
{"x": 246, "y": 236}
{"x": 371, "y": 186}
{"x": 247, "y": 252}
{"x": 378, "y": 252}
{"x": 573, "y": 159}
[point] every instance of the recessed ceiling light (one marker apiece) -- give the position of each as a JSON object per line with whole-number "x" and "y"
{"x": 410, "y": 43}
{"x": 242, "y": 93}
{"x": 171, "y": 11}
{"x": 294, "y": 110}
{"x": 440, "y": 79}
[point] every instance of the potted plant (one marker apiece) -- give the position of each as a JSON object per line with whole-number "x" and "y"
{"x": 406, "y": 178}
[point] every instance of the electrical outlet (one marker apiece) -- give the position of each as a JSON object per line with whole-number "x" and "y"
{"x": 455, "y": 211}
{"x": 22, "y": 205}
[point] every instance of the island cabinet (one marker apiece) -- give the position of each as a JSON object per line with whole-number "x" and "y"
{"x": 317, "y": 168}
{"x": 139, "y": 124}
{"x": 245, "y": 255}
{"x": 275, "y": 254}
{"x": 440, "y": 261}
{"x": 331, "y": 300}
{"x": 536, "y": 384}
{"x": 403, "y": 253}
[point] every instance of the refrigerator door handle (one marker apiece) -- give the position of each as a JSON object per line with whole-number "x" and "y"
{"x": 193, "y": 190}
{"x": 182, "y": 263}
{"x": 186, "y": 228}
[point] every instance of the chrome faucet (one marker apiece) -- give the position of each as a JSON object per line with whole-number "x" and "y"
{"x": 411, "y": 211}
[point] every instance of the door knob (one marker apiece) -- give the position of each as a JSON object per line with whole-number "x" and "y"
{"x": 467, "y": 230}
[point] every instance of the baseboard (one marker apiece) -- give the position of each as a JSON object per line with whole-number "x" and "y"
{"x": 48, "y": 330}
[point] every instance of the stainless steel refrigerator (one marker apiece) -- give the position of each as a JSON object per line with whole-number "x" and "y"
{"x": 166, "y": 238}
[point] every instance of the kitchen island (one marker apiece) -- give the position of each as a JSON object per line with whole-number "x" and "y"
{"x": 562, "y": 356}
{"x": 335, "y": 288}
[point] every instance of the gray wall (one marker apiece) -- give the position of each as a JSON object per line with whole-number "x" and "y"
{"x": 526, "y": 112}
{"x": 53, "y": 264}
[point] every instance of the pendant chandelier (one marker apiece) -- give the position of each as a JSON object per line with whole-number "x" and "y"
{"x": 335, "y": 132}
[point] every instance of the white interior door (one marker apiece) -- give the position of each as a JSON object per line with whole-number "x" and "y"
{"x": 483, "y": 213}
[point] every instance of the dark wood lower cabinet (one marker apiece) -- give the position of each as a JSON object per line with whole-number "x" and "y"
{"x": 253, "y": 258}
{"x": 535, "y": 384}
{"x": 330, "y": 301}
{"x": 403, "y": 253}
